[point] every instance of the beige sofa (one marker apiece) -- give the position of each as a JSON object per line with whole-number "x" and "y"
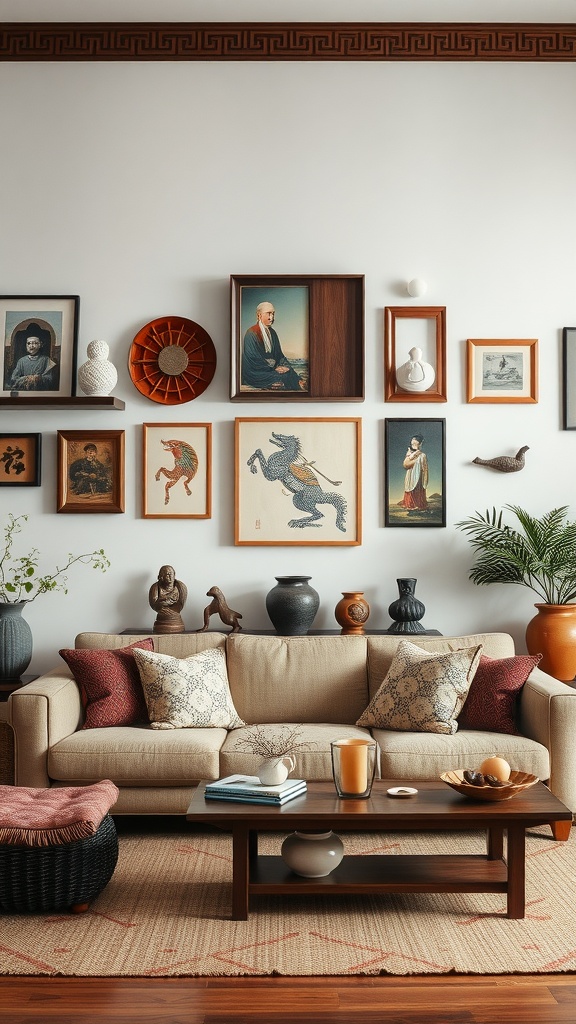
{"x": 324, "y": 682}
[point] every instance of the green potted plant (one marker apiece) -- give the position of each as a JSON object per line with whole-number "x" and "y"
{"x": 540, "y": 555}
{"x": 20, "y": 584}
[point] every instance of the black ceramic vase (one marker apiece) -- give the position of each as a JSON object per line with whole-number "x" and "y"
{"x": 407, "y": 610}
{"x": 292, "y": 605}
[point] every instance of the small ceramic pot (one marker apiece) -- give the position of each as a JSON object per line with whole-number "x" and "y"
{"x": 275, "y": 770}
{"x": 312, "y": 854}
{"x": 352, "y": 612}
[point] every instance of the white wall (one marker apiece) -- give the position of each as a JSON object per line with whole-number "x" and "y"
{"x": 142, "y": 187}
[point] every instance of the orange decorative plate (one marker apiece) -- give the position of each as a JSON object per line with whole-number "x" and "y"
{"x": 519, "y": 781}
{"x": 172, "y": 360}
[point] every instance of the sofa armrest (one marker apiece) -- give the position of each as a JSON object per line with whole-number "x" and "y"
{"x": 41, "y": 714}
{"x": 548, "y": 715}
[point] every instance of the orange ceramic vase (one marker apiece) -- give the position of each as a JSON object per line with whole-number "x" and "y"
{"x": 552, "y": 633}
{"x": 352, "y": 612}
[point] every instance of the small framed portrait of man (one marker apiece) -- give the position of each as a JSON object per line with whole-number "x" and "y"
{"x": 90, "y": 471}
{"x": 39, "y": 337}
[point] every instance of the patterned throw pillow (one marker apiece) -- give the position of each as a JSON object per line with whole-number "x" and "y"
{"x": 422, "y": 692}
{"x": 187, "y": 693}
{"x": 109, "y": 684}
{"x": 493, "y": 696}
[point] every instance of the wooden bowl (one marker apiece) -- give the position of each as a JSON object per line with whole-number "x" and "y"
{"x": 519, "y": 781}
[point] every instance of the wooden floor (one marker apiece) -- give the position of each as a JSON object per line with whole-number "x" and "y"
{"x": 510, "y": 999}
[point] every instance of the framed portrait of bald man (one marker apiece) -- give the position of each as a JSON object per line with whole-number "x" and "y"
{"x": 38, "y": 345}
{"x": 297, "y": 338}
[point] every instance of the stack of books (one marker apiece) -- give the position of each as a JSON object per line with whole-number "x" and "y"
{"x": 249, "y": 790}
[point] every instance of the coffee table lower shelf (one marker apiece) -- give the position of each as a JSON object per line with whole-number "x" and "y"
{"x": 377, "y": 874}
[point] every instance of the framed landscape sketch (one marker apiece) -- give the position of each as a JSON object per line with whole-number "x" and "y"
{"x": 502, "y": 370}
{"x": 569, "y": 378}
{"x": 20, "y": 460}
{"x": 90, "y": 471}
{"x": 39, "y": 339}
{"x": 298, "y": 481}
{"x": 297, "y": 338}
{"x": 176, "y": 470}
{"x": 414, "y": 472}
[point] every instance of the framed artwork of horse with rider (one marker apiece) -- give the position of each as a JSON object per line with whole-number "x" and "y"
{"x": 298, "y": 481}
{"x": 90, "y": 471}
{"x": 177, "y": 471}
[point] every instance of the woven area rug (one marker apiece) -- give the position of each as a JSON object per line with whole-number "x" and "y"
{"x": 166, "y": 912}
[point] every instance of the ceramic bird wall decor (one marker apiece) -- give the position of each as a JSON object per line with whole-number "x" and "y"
{"x": 505, "y": 463}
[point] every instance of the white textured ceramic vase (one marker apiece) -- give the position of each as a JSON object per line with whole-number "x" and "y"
{"x": 97, "y": 376}
{"x": 312, "y": 854}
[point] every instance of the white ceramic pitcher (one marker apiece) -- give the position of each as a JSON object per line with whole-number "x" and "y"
{"x": 275, "y": 770}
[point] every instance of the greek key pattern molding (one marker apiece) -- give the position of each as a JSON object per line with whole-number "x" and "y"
{"x": 250, "y": 41}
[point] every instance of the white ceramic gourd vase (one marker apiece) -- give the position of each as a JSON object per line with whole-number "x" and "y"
{"x": 97, "y": 376}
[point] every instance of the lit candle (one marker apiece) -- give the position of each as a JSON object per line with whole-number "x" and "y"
{"x": 353, "y": 765}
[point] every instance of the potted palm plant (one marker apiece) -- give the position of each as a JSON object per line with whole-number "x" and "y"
{"x": 540, "y": 555}
{"x": 20, "y": 584}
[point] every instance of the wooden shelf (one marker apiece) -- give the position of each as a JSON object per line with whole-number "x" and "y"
{"x": 76, "y": 402}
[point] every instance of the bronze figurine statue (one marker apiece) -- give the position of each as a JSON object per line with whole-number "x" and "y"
{"x": 219, "y": 605}
{"x": 167, "y": 597}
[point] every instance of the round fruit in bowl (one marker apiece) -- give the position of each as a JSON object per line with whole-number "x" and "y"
{"x": 485, "y": 785}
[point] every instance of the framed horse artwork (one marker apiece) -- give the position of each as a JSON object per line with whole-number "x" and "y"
{"x": 298, "y": 481}
{"x": 177, "y": 471}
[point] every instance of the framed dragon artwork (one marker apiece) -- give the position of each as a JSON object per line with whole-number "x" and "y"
{"x": 177, "y": 471}
{"x": 298, "y": 481}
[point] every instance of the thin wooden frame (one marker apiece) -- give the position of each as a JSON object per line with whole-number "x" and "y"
{"x": 90, "y": 471}
{"x": 569, "y": 378}
{"x": 415, "y": 472}
{"x": 502, "y": 370}
{"x": 318, "y": 318}
{"x": 402, "y": 319}
{"x": 20, "y": 460}
{"x": 48, "y": 370}
{"x": 176, "y": 470}
{"x": 298, "y": 481}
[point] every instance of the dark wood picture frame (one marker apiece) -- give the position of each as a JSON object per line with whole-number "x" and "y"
{"x": 169, "y": 491}
{"x": 90, "y": 471}
{"x": 414, "y": 490}
{"x": 335, "y": 334}
{"x": 267, "y": 513}
{"x": 569, "y": 378}
{"x": 53, "y": 320}
{"x": 436, "y": 357}
{"x": 20, "y": 460}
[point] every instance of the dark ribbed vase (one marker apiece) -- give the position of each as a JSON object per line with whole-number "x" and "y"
{"x": 407, "y": 610}
{"x": 15, "y": 642}
{"x": 292, "y": 605}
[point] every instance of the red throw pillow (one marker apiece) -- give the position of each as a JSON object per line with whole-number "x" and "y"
{"x": 109, "y": 683}
{"x": 492, "y": 697}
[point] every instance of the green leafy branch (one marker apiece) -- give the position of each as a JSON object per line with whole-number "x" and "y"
{"x": 20, "y": 580}
{"x": 542, "y": 557}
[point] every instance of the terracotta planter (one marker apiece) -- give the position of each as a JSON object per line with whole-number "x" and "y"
{"x": 352, "y": 612}
{"x": 552, "y": 633}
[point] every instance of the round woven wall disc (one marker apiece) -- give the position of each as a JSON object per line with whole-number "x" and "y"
{"x": 172, "y": 360}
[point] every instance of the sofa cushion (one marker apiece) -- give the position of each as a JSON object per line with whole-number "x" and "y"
{"x": 109, "y": 684}
{"x": 137, "y": 756}
{"x": 187, "y": 693}
{"x": 313, "y": 763}
{"x": 493, "y": 695}
{"x": 422, "y": 691}
{"x": 382, "y": 648}
{"x": 298, "y": 678}
{"x": 418, "y": 756}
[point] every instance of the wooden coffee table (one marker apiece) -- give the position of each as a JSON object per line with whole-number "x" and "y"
{"x": 436, "y": 807}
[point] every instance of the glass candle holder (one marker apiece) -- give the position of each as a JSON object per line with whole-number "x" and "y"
{"x": 353, "y": 766}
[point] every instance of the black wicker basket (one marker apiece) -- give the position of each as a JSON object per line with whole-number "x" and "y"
{"x": 55, "y": 878}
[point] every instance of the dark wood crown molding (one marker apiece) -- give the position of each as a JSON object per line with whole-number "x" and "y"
{"x": 282, "y": 41}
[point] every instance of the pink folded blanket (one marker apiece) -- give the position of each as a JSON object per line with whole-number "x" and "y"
{"x": 52, "y": 817}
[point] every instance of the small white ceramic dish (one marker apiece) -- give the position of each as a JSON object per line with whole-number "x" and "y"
{"x": 402, "y": 791}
